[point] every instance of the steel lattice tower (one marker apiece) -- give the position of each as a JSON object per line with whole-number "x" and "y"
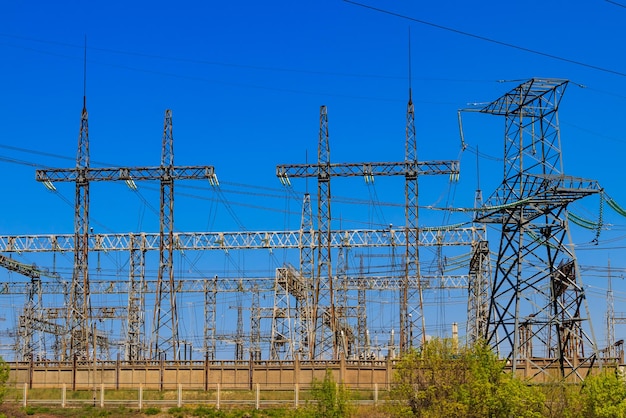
{"x": 255, "y": 325}
{"x": 411, "y": 296}
{"x": 537, "y": 298}
{"x": 165, "y": 314}
{"x": 78, "y": 312}
{"x": 135, "y": 349}
{"x": 305, "y": 321}
{"x": 325, "y": 323}
{"x": 281, "y": 345}
{"x": 210, "y": 316}
{"x": 479, "y": 284}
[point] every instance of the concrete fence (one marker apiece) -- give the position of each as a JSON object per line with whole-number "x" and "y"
{"x": 197, "y": 375}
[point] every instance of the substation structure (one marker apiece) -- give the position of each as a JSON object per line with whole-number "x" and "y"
{"x": 533, "y": 310}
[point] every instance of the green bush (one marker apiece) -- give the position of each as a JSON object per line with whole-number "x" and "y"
{"x": 443, "y": 379}
{"x": 604, "y": 395}
{"x": 153, "y": 410}
{"x": 4, "y": 376}
{"x": 332, "y": 399}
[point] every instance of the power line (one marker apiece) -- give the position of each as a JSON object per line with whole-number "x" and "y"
{"x": 616, "y": 3}
{"x": 484, "y": 38}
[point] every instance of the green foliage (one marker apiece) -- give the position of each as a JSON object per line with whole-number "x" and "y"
{"x": 332, "y": 399}
{"x": 604, "y": 395}
{"x": 4, "y": 377}
{"x": 35, "y": 410}
{"x": 445, "y": 380}
{"x": 562, "y": 400}
{"x": 178, "y": 412}
{"x": 205, "y": 411}
{"x": 153, "y": 410}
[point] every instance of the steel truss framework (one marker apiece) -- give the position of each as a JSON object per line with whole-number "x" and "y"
{"x": 324, "y": 343}
{"x": 166, "y": 319}
{"x": 538, "y": 307}
{"x": 322, "y": 327}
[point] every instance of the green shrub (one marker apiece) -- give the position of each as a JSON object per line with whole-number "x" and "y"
{"x": 332, "y": 399}
{"x": 153, "y": 410}
{"x": 443, "y": 379}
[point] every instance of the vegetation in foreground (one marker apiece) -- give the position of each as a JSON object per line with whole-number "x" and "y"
{"x": 439, "y": 380}
{"x": 444, "y": 380}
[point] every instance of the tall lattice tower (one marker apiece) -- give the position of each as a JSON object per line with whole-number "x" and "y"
{"x": 538, "y": 313}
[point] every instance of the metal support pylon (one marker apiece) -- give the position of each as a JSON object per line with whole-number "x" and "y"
{"x": 537, "y": 299}
{"x": 165, "y": 313}
{"x": 210, "y": 317}
{"x": 255, "y": 325}
{"x": 78, "y": 312}
{"x": 478, "y": 292}
{"x": 281, "y": 346}
{"x": 135, "y": 348}
{"x": 305, "y": 321}
{"x": 325, "y": 343}
{"x": 363, "y": 348}
{"x": 479, "y": 283}
{"x": 344, "y": 313}
{"x": 411, "y": 297}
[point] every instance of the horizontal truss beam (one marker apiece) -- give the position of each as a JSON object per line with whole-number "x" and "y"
{"x": 235, "y": 285}
{"x": 185, "y": 241}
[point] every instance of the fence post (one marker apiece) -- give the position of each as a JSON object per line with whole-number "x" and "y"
{"x": 375, "y": 394}
{"x": 25, "y": 395}
{"x": 295, "y": 396}
{"x": 217, "y": 405}
{"x": 258, "y": 395}
{"x": 63, "y": 395}
{"x": 101, "y": 395}
{"x": 140, "y": 396}
{"x": 180, "y": 395}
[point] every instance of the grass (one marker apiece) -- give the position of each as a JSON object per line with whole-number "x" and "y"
{"x": 14, "y": 411}
{"x": 161, "y": 404}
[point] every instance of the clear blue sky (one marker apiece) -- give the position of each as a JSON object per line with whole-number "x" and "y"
{"x": 245, "y": 81}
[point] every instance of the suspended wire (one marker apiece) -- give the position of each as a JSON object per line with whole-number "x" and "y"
{"x": 616, "y": 3}
{"x": 487, "y": 39}
{"x": 226, "y": 64}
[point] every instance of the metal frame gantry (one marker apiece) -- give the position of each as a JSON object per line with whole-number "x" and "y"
{"x": 76, "y": 341}
{"x": 324, "y": 337}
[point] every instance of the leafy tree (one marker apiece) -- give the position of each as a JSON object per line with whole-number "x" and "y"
{"x": 4, "y": 377}
{"x": 445, "y": 380}
{"x": 604, "y": 395}
{"x": 333, "y": 399}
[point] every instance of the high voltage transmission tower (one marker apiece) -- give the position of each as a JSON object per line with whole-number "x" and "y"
{"x": 538, "y": 313}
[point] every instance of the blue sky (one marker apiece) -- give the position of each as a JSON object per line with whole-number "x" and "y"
{"x": 245, "y": 81}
